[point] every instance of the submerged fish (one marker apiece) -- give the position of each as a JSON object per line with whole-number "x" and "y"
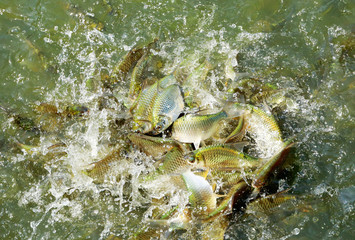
{"x": 86, "y": 18}
{"x": 127, "y": 62}
{"x": 75, "y": 110}
{"x": 153, "y": 146}
{"x": 70, "y": 111}
{"x": 202, "y": 199}
{"x": 193, "y": 128}
{"x": 136, "y": 84}
{"x": 51, "y": 119}
{"x": 24, "y": 123}
{"x": 221, "y": 157}
{"x": 266, "y": 204}
{"x": 142, "y": 109}
{"x": 167, "y": 108}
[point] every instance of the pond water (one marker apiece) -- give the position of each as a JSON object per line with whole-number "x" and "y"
{"x": 56, "y": 52}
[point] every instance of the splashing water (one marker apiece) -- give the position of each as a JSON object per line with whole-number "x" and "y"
{"x": 305, "y": 49}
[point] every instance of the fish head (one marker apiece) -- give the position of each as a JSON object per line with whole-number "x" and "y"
{"x": 162, "y": 123}
{"x": 194, "y": 159}
{"x": 141, "y": 126}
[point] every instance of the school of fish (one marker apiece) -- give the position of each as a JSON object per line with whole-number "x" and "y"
{"x": 201, "y": 150}
{"x": 168, "y": 125}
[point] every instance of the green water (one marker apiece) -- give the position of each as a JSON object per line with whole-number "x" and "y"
{"x": 50, "y": 49}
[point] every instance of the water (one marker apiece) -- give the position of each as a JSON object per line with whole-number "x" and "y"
{"x": 57, "y": 51}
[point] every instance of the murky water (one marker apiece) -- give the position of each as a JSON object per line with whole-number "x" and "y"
{"x": 57, "y": 52}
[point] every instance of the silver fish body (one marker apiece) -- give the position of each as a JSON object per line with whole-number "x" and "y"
{"x": 201, "y": 198}
{"x": 142, "y": 109}
{"x": 167, "y": 108}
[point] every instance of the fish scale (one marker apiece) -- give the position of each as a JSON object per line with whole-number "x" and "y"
{"x": 268, "y": 203}
{"x": 196, "y": 128}
{"x": 142, "y": 109}
{"x": 222, "y": 157}
{"x": 174, "y": 162}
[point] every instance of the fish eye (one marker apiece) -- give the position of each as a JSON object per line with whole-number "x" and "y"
{"x": 158, "y": 127}
{"x": 190, "y": 158}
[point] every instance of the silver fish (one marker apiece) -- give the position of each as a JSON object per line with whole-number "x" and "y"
{"x": 167, "y": 108}
{"x": 142, "y": 109}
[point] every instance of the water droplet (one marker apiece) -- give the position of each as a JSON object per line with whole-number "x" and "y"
{"x": 14, "y": 30}
{"x": 296, "y": 231}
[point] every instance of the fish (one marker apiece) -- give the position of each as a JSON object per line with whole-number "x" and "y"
{"x": 51, "y": 119}
{"x": 215, "y": 229}
{"x": 200, "y": 73}
{"x": 36, "y": 61}
{"x": 202, "y": 199}
{"x": 267, "y": 120}
{"x": 266, "y": 204}
{"x": 142, "y": 109}
{"x": 153, "y": 146}
{"x": 162, "y": 225}
{"x": 126, "y": 63}
{"x": 262, "y": 174}
{"x": 100, "y": 169}
{"x": 44, "y": 108}
{"x": 53, "y": 151}
{"x": 224, "y": 178}
{"x": 252, "y": 89}
{"x": 75, "y": 110}
{"x": 237, "y": 190}
{"x": 174, "y": 162}
{"x": 135, "y": 86}
{"x": 221, "y": 157}
{"x": 146, "y": 233}
{"x": 238, "y": 133}
{"x": 23, "y": 122}
{"x": 70, "y": 111}
{"x": 168, "y": 105}
{"x": 184, "y": 68}
{"x": 193, "y": 128}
